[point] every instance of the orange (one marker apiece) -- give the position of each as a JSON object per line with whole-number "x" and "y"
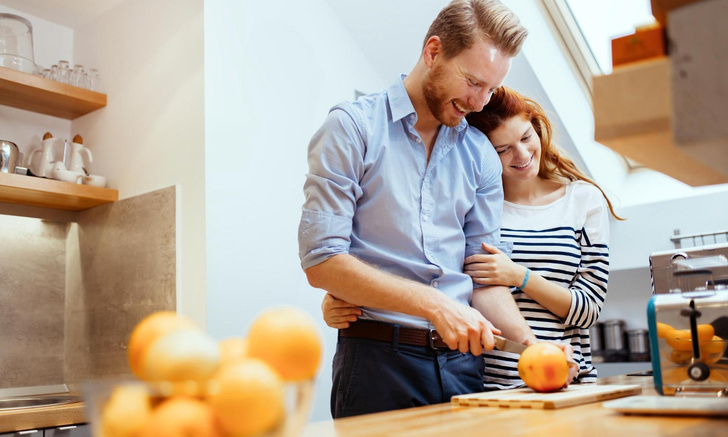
{"x": 680, "y": 357}
{"x": 289, "y": 340}
{"x": 181, "y": 355}
{"x": 681, "y": 339}
{"x": 705, "y": 332}
{"x": 233, "y": 349}
{"x": 126, "y": 411}
{"x": 712, "y": 351}
{"x": 543, "y": 367}
{"x": 715, "y": 346}
{"x": 663, "y": 329}
{"x": 247, "y": 397}
{"x": 148, "y": 330}
{"x": 181, "y": 417}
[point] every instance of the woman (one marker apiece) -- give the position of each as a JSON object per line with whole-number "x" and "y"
{"x": 557, "y": 220}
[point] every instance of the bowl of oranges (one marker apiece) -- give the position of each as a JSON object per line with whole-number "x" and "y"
{"x": 188, "y": 384}
{"x": 679, "y": 343}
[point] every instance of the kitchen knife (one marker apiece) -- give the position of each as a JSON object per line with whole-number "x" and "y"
{"x": 505, "y": 345}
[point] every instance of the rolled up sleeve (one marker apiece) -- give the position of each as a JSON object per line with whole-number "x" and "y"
{"x": 483, "y": 222}
{"x": 331, "y": 189}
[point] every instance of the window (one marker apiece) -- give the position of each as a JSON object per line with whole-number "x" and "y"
{"x": 586, "y": 29}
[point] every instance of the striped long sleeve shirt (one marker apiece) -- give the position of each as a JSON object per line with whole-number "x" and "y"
{"x": 565, "y": 242}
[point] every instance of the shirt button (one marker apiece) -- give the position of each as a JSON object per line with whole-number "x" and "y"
{"x": 418, "y": 140}
{"x": 435, "y": 283}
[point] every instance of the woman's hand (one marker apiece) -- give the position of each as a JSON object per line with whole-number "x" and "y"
{"x": 494, "y": 268}
{"x": 338, "y": 313}
{"x": 569, "y": 352}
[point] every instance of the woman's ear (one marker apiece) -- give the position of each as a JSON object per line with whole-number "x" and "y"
{"x": 433, "y": 48}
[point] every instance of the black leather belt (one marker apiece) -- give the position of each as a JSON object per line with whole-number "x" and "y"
{"x": 371, "y": 330}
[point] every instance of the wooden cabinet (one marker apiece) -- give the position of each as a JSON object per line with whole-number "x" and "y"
{"x": 81, "y": 430}
{"x": 45, "y": 96}
{"x": 27, "y": 433}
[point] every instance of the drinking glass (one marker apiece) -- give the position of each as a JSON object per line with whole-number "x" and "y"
{"x": 94, "y": 80}
{"x": 54, "y": 72}
{"x": 79, "y": 76}
{"x": 64, "y": 72}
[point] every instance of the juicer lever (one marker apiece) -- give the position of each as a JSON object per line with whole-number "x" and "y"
{"x": 697, "y": 371}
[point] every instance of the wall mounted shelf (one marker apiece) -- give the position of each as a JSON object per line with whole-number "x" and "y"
{"x": 48, "y": 193}
{"x": 45, "y": 96}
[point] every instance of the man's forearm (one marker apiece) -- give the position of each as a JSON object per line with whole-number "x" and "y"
{"x": 498, "y": 306}
{"x": 352, "y": 280}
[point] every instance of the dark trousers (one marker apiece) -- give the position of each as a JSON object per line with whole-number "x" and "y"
{"x": 370, "y": 376}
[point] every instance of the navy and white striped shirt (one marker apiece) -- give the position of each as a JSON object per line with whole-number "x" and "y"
{"x": 565, "y": 242}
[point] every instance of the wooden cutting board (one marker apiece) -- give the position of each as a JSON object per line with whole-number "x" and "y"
{"x": 575, "y": 394}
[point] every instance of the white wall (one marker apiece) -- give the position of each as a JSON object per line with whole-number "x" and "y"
{"x": 151, "y": 133}
{"x": 272, "y": 71}
{"x": 648, "y": 227}
{"x": 52, "y": 42}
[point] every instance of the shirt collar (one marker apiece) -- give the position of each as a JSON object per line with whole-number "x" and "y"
{"x": 400, "y": 104}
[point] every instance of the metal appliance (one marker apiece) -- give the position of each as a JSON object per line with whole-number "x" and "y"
{"x": 705, "y": 256}
{"x": 9, "y": 156}
{"x": 688, "y": 321}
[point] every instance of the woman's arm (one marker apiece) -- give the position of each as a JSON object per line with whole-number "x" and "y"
{"x": 339, "y": 313}
{"x": 496, "y": 268}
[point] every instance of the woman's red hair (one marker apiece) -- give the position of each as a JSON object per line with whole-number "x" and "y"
{"x": 555, "y": 164}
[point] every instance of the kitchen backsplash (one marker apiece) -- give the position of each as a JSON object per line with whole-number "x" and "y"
{"x": 122, "y": 268}
{"x": 71, "y": 292}
{"x": 32, "y": 289}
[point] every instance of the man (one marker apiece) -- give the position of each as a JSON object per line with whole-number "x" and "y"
{"x": 399, "y": 191}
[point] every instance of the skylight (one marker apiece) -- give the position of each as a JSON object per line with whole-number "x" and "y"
{"x": 602, "y": 21}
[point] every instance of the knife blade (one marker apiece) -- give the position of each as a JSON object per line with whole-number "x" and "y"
{"x": 505, "y": 345}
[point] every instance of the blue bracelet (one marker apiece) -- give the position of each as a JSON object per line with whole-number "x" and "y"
{"x": 525, "y": 278}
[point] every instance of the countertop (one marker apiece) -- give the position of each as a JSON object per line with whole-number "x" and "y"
{"x": 583, "y": 420}
{"x": 42, "y": 417}
{"x": 445, "y": 419}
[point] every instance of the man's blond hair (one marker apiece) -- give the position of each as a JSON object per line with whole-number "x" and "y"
{"x": 463, "y": 22}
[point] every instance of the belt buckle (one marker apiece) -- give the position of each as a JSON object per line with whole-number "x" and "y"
{"x": 433, "y": 335}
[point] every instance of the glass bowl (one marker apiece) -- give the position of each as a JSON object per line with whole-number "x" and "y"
{"x": 16, "y": 43}
{"x": 681, "y": 351}
{"x": 298, "y": 399}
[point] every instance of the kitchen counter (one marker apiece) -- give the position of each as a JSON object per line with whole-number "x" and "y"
{"x": 583, "y": 420}
{"x": 42, "y": 417}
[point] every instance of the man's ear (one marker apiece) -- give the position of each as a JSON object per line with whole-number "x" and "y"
{"x": 433, "y": 48}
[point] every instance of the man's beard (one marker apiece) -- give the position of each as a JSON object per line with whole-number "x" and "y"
{"x": 435, "y": 93}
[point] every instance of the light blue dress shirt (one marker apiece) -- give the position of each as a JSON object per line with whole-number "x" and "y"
{"x": 370, "y": 192}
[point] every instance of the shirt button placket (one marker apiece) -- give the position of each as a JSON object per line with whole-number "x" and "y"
{"x": 427, "y": 218}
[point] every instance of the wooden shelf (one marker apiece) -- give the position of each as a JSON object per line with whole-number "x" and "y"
{"x": 45, "y": 96}
{"x": 633, "y": 115}
{"x": 49, "y": 193}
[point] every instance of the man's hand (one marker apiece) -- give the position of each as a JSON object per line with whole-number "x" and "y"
{"x": 462, "y": 327}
